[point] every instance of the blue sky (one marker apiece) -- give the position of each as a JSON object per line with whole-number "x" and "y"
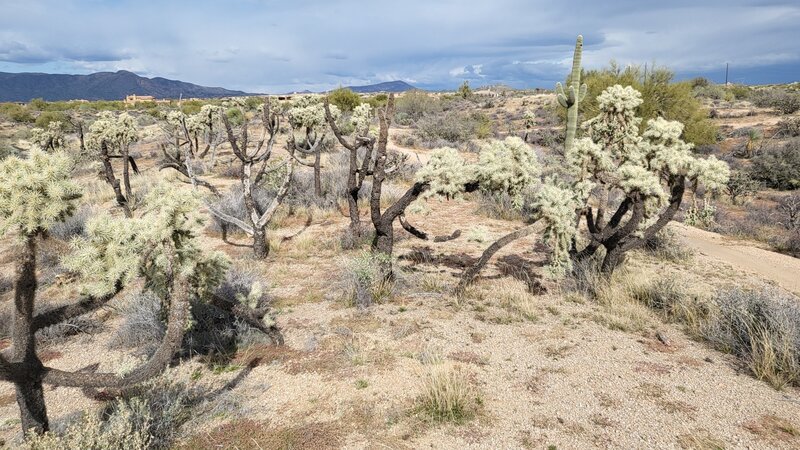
{"x": 277, "y": 46}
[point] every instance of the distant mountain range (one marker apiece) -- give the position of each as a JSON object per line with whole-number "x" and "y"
{"x": 23, "y": 87}
{"x": 388, "y": 86}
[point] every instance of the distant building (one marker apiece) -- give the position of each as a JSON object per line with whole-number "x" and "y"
{"x": 132, "y": 99}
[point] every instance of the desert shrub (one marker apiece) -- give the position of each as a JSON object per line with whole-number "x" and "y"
{"x": 788, "y": 127}
{"x": 661, "y": 97}
{"x": 665, "y": 245}
{"x": 712, "y": 91}
{"x": 146, "y": 417}
{"x": 762, "y": 327}
{"x": 142, "y": 328}
{"x": 498, "y": 205}
{"x": 61, "y": 332}
{"x": 345, "y": 99}
{"x": 447, "y": 395}
{"x": 18, "y": 114}
{"x": 781, "y": 100}
{"x": 450, "y": 127}
{"x": 741, "y": 185}
{"x": 779, "y": 166}
{"x": 45, "y": 118}
{"x": 364, "y": 282}
{"x": 124, "y": 428}
{"x": 413, "y": 105}
{"x": 74, "y": 225}
{"x": 547, "y": 137}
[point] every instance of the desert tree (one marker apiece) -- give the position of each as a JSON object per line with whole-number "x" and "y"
{"x": 648, "y": 171}
{"x": 307, "y": 115}
{"x": 464, "y": 91}
{"x": 35, "y": 194}
{"x": 189, "y": 139}
{"x": 110, "y": 138}
{"x": 50, "y": 138}
{"x": 254, "y": 158}
{"x": 360, "y": 162}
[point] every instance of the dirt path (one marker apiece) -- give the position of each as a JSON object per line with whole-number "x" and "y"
{"x": 782, "y": 269}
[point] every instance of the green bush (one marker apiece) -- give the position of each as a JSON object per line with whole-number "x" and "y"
{"x": 661, "y": 98}
{"x": 779, "y": 167}
{"x": 415, "y": 104}
{"x": 16, "y": 113}
{"x": 450, "y": 127}
{"x": 344, "y": 98}
{"x": 44, "y": 119}
{"x": 779, "y": 99}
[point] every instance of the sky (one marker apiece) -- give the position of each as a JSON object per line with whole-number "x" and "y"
{"x": 291, "y": 45}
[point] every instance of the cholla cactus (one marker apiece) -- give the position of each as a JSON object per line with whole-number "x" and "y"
{"x": 110, "y": 137}
{"x": 650, "y": 170}
{"x": 51, "y": 138}
{"x": 36, "y": 192}
{"x": 116, "y": 131}
{"x": 307, "y": 114}
{"x": 361, "y": 119}
{"x": 509, "y": 166}
{"x": 446, "y": 173}
{"x": 182, "y": 147}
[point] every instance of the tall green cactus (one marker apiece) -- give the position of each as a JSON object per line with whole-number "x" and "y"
{"x": 574, "y": 95}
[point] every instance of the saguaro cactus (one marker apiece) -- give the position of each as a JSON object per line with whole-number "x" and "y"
{"x": 574, "y": 95}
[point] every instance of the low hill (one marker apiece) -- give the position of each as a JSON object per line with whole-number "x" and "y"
{"x": 388, "y": 86}
{"x": 22, "y": 87}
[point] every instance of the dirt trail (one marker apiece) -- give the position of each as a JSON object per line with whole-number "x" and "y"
{"x": 782, "y": 269}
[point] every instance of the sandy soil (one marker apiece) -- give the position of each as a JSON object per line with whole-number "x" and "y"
{"x": 780, "y": 269}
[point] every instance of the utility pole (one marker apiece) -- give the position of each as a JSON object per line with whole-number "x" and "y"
{"x": 726, "y": 73}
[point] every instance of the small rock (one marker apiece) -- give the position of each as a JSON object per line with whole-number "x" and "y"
{"x": 663, "y": 338}
{"x": 708, "y": 359}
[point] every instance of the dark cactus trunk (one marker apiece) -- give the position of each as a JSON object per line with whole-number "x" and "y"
{"x": 30, "y": 395}
{"x": 317, "y": 174}
{"x": 260, "y": 243}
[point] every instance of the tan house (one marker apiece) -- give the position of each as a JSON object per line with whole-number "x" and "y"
{"x": 132, "y": 99}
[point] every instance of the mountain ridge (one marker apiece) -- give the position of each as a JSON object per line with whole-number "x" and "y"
{"x": 25, "y": 86}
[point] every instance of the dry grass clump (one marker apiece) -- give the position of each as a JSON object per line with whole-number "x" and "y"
{"x": 762, "y": 327}
{"x": 665, "y": 245}
{"x": 447, "y": 395}
{"x": 363, "y": 280}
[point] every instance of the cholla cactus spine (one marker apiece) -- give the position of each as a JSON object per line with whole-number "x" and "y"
{"x": 36, "y": 192}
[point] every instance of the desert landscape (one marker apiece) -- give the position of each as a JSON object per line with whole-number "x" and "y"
{"x": 610, "y": 262}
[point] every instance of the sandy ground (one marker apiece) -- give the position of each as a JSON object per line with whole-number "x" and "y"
{"x": 548, "y": 370}
{"x": 780, "y": 269}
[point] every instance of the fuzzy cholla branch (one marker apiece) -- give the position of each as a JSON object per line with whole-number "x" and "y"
{"x": 554, "y": 206}
{"x": 509, "y": 166}
{"x": 446, "y": 173}
{"x": 115, "y": 131}
{"x": 308, "y": 112}
{"x": 36, "y": 192}
{"x": 361, "y": 119}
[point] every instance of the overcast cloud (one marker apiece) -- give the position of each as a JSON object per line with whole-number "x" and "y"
{"x": 277, "y": 46}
